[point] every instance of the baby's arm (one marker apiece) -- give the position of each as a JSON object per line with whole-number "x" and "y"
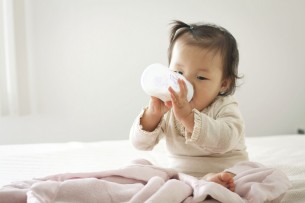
{"x": 220, "y": 130}
{"x": 147, "y": 128}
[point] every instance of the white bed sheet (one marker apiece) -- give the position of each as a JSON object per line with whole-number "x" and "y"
{"x": 286, "y": 153}
{"x": 23, "y": 162}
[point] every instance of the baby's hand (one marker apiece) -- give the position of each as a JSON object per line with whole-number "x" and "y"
{"x": 157, "y": 107}
{"x": 153, "y": 114}
{"x": 181, "y": 107}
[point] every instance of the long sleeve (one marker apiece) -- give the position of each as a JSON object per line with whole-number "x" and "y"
{"x": 142, "y": 139}
{"x": 217, "y": 141}
{"x": 220, "y": 129}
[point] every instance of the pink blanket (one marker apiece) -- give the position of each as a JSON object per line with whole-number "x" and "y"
{"x": 143, "y": 182}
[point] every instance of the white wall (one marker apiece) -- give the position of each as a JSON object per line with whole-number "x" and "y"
{"x": 79, "y": 79}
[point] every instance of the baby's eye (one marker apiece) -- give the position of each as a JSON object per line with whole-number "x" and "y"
{"x": 201, "y": 78}
{"x": 180, "y": 72}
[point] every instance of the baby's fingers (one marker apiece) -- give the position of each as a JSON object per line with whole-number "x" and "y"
{"x": 177, "y": 101}
{"x": 183, "y": 88}
{"x": 168, "y": 104}
{"x": 174, "y": 95}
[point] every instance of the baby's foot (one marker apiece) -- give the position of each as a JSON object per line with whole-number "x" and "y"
{"x": 224, "y": 178}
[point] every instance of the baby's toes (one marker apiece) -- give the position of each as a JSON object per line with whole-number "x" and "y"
{"x": 226, "y": 177}
{"x": 231, "y": 186}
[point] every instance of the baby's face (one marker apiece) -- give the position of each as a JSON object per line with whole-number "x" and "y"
{"x": 203, "y": 69}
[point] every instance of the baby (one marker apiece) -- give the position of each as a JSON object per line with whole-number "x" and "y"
{"x": 206, "y": 133}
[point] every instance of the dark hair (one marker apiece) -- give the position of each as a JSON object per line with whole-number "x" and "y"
{"x": 214, "y": 38}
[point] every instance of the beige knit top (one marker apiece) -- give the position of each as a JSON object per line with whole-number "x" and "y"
{"x": 216, "y": 143}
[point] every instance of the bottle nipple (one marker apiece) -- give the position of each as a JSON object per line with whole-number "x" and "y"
{"x": 156, "y": 79}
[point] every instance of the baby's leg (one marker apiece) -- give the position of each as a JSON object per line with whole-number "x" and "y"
{"x": 223, "y": 178}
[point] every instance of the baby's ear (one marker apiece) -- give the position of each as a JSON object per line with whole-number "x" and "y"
{"x": 225, "y": 84}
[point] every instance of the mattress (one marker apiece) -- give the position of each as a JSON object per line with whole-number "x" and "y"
{"x": 24, "y": 162}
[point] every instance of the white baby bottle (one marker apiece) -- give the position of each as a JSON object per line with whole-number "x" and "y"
{"x": 156, "y": 79}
